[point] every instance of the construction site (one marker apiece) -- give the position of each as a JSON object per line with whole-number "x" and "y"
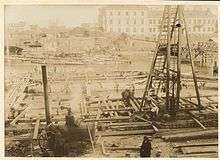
{"x": 159, "y": 102}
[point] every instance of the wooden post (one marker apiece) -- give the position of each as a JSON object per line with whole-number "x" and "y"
{"x": 192, "y": 64}
{"x": 36, "y": 129}
{"x": 46, "y": 102}
{"x": 179, "y": 58}
{"x": 90, "y": 136}
{"x": 168, "y": 62}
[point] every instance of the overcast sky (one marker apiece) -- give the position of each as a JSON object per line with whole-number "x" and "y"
{"x": 42, "y": 14}
{"x": 69, "y": 15}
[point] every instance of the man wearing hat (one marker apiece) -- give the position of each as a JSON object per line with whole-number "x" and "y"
{"x": 145, "y": 150}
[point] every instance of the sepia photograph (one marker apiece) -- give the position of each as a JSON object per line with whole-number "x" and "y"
{"x": 111, "y": 81}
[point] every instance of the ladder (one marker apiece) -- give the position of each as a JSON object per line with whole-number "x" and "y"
{"x": 165, "y": 71}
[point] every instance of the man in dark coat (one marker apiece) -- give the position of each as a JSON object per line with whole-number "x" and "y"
{"x": 145, "y": 150}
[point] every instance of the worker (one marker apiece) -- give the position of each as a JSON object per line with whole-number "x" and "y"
{"x": 153, "y": 90}
{"x": 132, "y": 90}
{"x": 215, "y": 69}
{"x": 126, "y": 94}
{"x": 154, "y": 111}
{"x": 145, "y": 150}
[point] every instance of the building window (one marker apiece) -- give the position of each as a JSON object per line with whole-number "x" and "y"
{"x": 150, "y": 21}
{"x": 135, "y": 21}
{"x": 159, "y": 21}
{"x": 127, "y": 29}
{"x": 194, "y": 21}
{"x": 134, "y": 29}
{"x": 209, "y": 29}
{"x": 189, "y": 21}
{"x": 199, "y": 21}
{"x": 127, "y": 21}
{"x": 119, "y": 21}
{"x": 203, "y": 29}
{"x": 134, "y": 13}
{"x": 194, "y": 29}
{"x": 142, "y": 13}
{"x": 142, "y": 29}
{"x": 198, "y": 29}
{"x": 110, "y": 21}
{"x": 154, "y": 29}
{"x": 142, "y": 21}
{"x": 127, "y": 13}
{"x": 209, "y": 21}
{"x": 150, "y": 29}
{"x": 119, "y": 13}
{"x": 204, "y": 21}
{"x": 154, "y": 21}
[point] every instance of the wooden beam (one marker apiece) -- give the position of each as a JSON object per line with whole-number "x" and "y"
{"x": 90, "y": 136}
{"x": 130, "y": 124}
{"x": 205, "y": 96}
{"x": 42, "y": 120}
{"x": 36, "y": 129}
{"x": 108, "y": 119}
{"x": 176, "y": 145}
{"x": 192, "y": 135}
{"x": 204, "y": 155}
{"x": 204, "y": 149}
{"x": 118, "y": 109}
{"x": 125, "y": 133}
{"x": 123, "y": 148}
{"x": 103, "y": 148}
{"x": 139, "y": 117}
{"x": 155, "y": 128}
{"x": 199, "y": 123}
{"x": 20, "y": 115}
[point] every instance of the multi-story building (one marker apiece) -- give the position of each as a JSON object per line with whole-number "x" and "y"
{"x": 144, "y": 21}
{"x": 124, "y": 19}
{"x": 14, "y": 27}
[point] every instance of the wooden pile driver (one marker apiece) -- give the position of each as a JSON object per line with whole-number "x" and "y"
{"x": 165, "y": 73}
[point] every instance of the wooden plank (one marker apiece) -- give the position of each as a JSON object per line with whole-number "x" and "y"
{"x": 118, "y": 109}
{"x": 103, "y": 148}
{"x": 201, "y": 96}
{"x": 134, "y": 105}
{"x": 125, "y": 133}
{"x": 123, "y": 148}
{"x": 192, "y": 135}
{"x": 199, "y": 123}
{"x": 108, "y": 119}
{"x": 42, "y": 120}
{"x": 19, "y": 116}
{"x": 110, "y": 106}
{"x": 90, "y": 137}
{"x": 204, "y": 149}
{"x": 155, "y": 128}
{"x": 204, "y": 155}
{"x": 96, "y": 123}
{"x": 36, "y": 129}
{"x": 130, "y": 124}
{"x": 176, "y": 145}
{"x": 143, "y": 119}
